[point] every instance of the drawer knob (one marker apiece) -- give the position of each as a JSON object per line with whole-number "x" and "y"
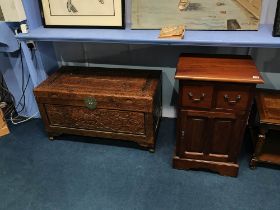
{"x": 232, "y": 102}
{"x": 183, "y": 134}
{"x": 91, "y": 103}
{"x": 197, "y": 99}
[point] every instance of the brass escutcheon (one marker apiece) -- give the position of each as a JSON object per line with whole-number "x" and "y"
{"x": 91, "y": 103}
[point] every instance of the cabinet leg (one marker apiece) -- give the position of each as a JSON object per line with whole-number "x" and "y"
{"x": 253, "y": 164}
{"x": 152, "y": 150}
{"x": 259, "y": 145}
{"x": 149, "y": 147}
{"x": 52, "y": 136}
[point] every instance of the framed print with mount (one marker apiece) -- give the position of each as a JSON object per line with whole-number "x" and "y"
{"x": 83, "y": 13}
{"x": 197, "y": 14}
{"x": 276, "y": 27}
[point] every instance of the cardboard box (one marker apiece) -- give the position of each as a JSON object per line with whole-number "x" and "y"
{"x": 4, "y": 130}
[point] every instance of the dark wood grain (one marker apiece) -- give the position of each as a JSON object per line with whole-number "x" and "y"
{"x": 223, "y": 168}
{"x": 265, "y": 128}
{"x": 99, "y": 119}
{"x": 222, "y": 68}
{"x": 268, "y": 103}
{"x": 128, "y": 103}
{"x": 210, "y": 131}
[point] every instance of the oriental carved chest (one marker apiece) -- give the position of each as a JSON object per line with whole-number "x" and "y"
{"x": 216, "y": 95}
{"x": 120, "y": 104}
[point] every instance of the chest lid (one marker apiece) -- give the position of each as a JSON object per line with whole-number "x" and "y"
{"x": 110, "y": 87}
{"x": 219, "y": 68}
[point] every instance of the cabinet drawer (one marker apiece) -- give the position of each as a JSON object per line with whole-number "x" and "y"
{"x": 197, "y": 96}
{"x": 232, "y": 98}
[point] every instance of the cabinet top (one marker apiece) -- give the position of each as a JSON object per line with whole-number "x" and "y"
{"x": 221, "y": 68}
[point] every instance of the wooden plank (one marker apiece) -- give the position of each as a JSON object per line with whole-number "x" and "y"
{"x": 253, "y": 6}
{"x": 4, "y": 130}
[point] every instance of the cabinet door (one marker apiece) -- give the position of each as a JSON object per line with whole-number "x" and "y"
{"x": 208, "y": 135}
{"x": 193, "y": 134}
{"x": 222, "y": 135}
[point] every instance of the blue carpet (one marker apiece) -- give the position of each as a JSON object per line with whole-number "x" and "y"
{"x": 38, "y": 174}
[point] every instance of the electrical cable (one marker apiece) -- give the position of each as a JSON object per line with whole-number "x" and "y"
{"x": 7, "y": 93}
{"x": 23, "y": 88}
{"x": 17, "y": 123}
{"x": 22, "y": 82}
{"x": 12, "y": 108}
{"x": 9, "y": 109}
{"x": 23, "y": 94}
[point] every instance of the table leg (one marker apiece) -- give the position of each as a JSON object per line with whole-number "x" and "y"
{"x": 259, "y": 145}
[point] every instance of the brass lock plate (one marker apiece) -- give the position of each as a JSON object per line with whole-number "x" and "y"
{"x": 91, "y": 103}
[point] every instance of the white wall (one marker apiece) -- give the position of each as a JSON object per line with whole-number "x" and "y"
{"x": 268, "y": 11}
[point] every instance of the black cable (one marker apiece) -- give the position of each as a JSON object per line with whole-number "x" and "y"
{"x": 3, "y": 93}
{"x": 35, "y": 56}
{"x": 22, "y": 80}
{"x": 8, "y": 97}
{"x": 7, "y": 93}
{"x": 23, "y": 95}
{"x": 23, "y": 88}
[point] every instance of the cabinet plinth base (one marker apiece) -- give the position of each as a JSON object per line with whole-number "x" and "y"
{"x": 225, "y": 169}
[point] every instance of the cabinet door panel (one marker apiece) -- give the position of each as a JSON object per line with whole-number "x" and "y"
{"x": 237, "y": 138}
{"x": 193, "y": 134}
{"x": 223, "y": 129}
{"x": 221, "y": 136}
{"x": 209, "y": 135}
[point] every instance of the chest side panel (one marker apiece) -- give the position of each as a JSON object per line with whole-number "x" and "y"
{"x": 100, "y": 119}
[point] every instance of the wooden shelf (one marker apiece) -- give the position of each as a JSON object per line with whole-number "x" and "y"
{"x": 261, "y": 38}
{"x": 271, "y": 149}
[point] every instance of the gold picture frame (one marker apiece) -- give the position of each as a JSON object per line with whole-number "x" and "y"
{"x": 276, "y": 27}
{"x": 83, "y": 13}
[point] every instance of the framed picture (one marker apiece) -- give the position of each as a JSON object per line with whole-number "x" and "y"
{"x": 83, "y": 13}
{"x": 197, "y": 14}
{"x": 276, "y": 27}
{"x": 1, "y": 14}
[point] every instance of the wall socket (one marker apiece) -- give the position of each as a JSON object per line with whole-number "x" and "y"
{"x": 31, "y": 45}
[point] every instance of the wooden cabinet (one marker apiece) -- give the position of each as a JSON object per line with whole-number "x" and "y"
{"x": 265, "y": 128}
{"x": 215, "y": 98}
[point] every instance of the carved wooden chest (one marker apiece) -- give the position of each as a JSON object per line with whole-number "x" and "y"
{"x": 100, "y": 102}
